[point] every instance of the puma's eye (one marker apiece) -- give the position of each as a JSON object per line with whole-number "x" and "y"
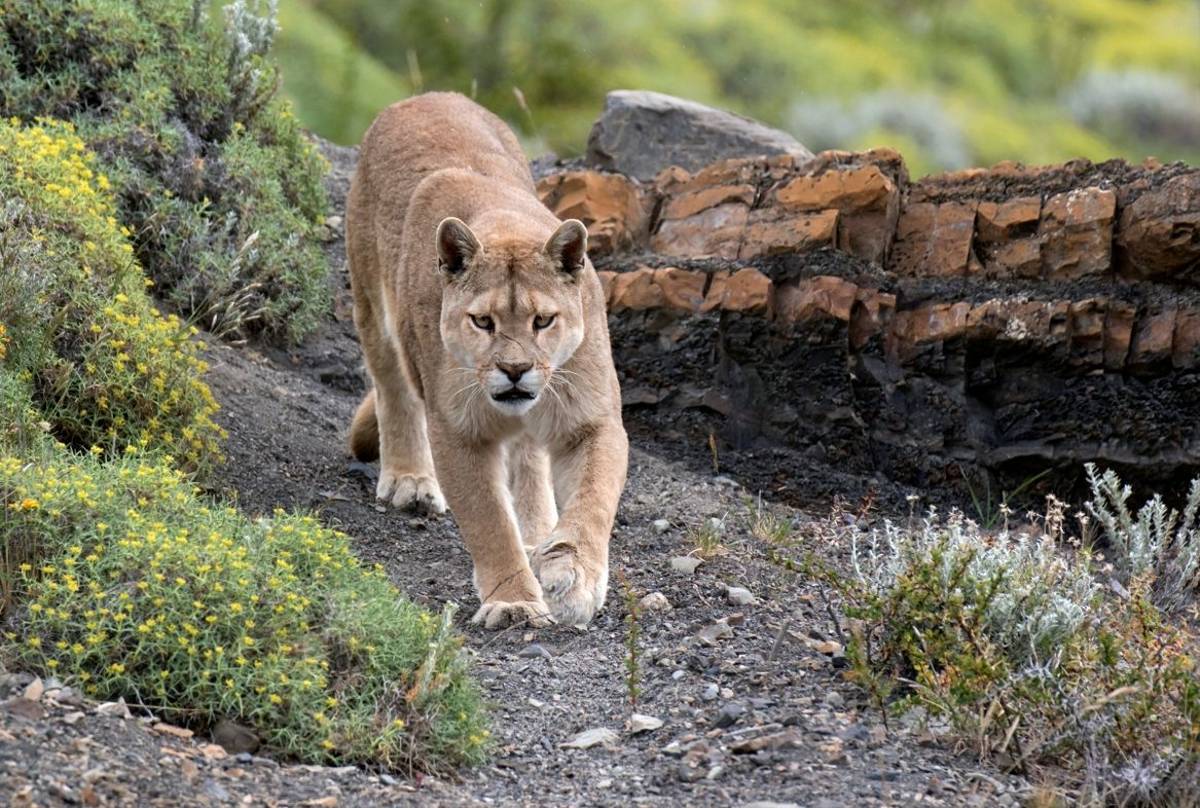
{"x": 543, "y": 321}
{"x": 483, "y": 323}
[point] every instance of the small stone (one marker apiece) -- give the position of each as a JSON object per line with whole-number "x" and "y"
{"x": 534, "y": 651}
{"x": 685, "y": 565}
{"x": 769, "y": 804}
{"x": 835, "y": 700}
{"x": 710, "y": 693}
{"x": 662, "y": 525}
{"x": 655, "y": 602}
{"x": 710, "y": 634}
{"x": 590, "y": 738}
{"x": 826, "y": 647}
{"x": 243, "y": 757}
{"x": 170, "y": 729}
{"x": 678, "y": 674}
{"x": 833, "y": 751}
{"x": 388, "y": 780}
{"x": 22, "y": 707}
{"x": 213, "y": 751}
{"x": 34, "y": 690}
{"x": 234, "y": 737}
{"x": 726, "y": 693}
{"x": 264, "y": 761}
{"x": 116, "y": 709}
{"x": 216, "y": 791}
{"x": 643, "y": 723}
{"x": 72, "y": 717}
{"x": 322, "y": 802}
{"x": 729, "y": 715}
{"x": 739, "y": 596}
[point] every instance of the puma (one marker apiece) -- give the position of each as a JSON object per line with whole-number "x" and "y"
{"x": 485, "y": 334}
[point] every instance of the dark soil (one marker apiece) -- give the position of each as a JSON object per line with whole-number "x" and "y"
{"x": 287, "y": 411}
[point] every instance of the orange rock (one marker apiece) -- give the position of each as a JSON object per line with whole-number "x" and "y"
{"x": 1012, "y": 218}
{"x": 933, "y": 239}
{"x": 635, "y": 290}
{"x": 745, "y": 290}
{"x": 1153, "y": 339}
{"x": 793, "y": 233}
{"x": 1087, "y": 331}
{"x": 1118, "y": 333}
{"x": 824, "y": 295}
{"x": 716, "y": 232}
{"x": 1159, "y": 232}
{"x": 1076, "y": 233}
{"x": 869, "y": 315}
{"x": 1020, "y": 258}
{"x": 857, "y": 188}
{"x": 681, "y": 289}
{"x": 610, "y": 205}
{"x": 692, "y": 202}
{"x": 1185, "y": 348}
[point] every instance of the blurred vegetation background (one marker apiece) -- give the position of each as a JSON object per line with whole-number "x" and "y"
{"x": 950, "y": 83}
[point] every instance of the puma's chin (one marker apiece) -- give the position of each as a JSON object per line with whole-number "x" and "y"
{"x": 513, "y": 401}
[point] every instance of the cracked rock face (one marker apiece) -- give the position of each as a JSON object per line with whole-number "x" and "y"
{"x": 990, "y": 320}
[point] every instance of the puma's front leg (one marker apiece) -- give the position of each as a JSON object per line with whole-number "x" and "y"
{"x": 473, "y": 478}
{"x": 572, "y": 564}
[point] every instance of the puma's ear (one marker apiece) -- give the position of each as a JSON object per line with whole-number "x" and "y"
{"x": 456, "y": 245}
{"x": 568, "y": 246}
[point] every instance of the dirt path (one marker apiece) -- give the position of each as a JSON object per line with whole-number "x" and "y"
{"x": 745, "y": 717}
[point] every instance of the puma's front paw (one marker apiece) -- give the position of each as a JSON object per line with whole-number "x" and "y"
{"x": 574, "y": 584}
{"x": 497, "y": 614}
{"x": 414, "y": 491}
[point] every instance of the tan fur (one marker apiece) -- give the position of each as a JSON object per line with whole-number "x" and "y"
{"x": 478, "y": 392}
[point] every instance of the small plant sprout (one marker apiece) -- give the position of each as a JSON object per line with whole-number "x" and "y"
{"x": 765, "y": 525}
{"x": 707, "y": 538}
{"x": 633, "y": 634}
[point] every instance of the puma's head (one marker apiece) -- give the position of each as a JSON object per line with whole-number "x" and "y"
{"x": 512, "y": 310}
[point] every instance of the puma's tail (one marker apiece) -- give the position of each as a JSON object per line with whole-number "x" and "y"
{"x": 364, "y": 431}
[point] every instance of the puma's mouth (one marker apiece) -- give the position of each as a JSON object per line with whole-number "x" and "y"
{"x": 513, "y": 394}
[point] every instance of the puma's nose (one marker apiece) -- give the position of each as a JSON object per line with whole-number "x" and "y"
{"x": 514, "y": 370}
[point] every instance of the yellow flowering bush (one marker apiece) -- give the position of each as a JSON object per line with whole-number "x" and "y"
{"x": 215, "y": 178}
{"x": 102, "y": 365}
{"x": 141, "y": 589}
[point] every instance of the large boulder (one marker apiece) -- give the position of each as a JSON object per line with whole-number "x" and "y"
{"x": 640, "y": 133}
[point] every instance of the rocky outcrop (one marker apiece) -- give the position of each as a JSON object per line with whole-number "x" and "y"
{"x": 640, "y": 133}
{"x": 1001, "y": 320}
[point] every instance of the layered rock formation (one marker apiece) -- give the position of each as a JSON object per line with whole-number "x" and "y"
{"x": 1008, "y": 319}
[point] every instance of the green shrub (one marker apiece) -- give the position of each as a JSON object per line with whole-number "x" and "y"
{"x": 1011, "y": 638}
{"x": 135, "y": 587}
{"x": 79, "y": 338}
{"x": 218, "y": 185}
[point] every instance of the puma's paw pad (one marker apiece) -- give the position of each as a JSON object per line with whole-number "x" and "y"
{"x": 496, "y": 614}
{"x": 574, "y": 589}
{"x": 414, "y": 491}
